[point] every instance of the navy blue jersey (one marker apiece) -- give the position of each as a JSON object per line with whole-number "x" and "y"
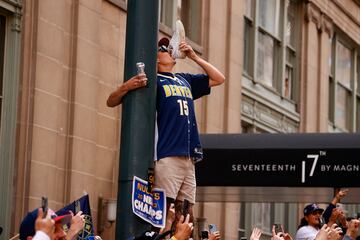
{"x": 177, "y": 133}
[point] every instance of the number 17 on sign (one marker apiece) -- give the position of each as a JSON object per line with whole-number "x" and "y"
{"x": 303, "y": 167}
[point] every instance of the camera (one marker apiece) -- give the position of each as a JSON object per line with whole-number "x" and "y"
{"x": 44, "y": 205}
{"x": 185, "y": 208}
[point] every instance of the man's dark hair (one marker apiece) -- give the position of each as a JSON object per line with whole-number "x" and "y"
{"x": 303, "y": 222}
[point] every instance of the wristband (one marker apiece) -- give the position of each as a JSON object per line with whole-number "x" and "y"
{"x": 173, "y": 238}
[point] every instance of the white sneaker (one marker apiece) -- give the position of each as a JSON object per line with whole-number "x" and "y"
{"x": 177, "y": 38}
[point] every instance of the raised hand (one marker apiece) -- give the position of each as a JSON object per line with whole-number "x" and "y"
{"x": 188, "y": 50}
{"x": 335, "y": 232}
{"x": 324, "y": 233}
{"x": 77, "y": 224}
{"x": 46, "y": 225}
{"x": 255, "y": 234}
{"x": 214, "y": 236}
{"x": 183, "y": 228}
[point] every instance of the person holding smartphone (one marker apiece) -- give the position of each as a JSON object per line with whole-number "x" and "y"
{"x": 36, "y": 226}
{"x": 214, "y": 234}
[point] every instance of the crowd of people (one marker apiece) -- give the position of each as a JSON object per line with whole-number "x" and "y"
{"x": 183, "y": 229}
{"x": 316, "y": 224}
{"x": 320, "y": 224}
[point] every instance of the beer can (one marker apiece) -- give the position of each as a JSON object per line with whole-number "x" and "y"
{"x": 140, "y": 66}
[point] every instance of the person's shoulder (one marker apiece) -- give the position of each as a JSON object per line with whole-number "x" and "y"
{"x": 306, "y": 232}
{"x": 302, "y": 231}
{"x": 40, "y": 235}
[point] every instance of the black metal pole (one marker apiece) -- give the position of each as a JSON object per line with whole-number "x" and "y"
{"x": 138, "y": 113}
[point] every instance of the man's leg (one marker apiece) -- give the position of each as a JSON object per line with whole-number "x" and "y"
{"x": 187, "y": 191}
{"x": 169, "y": 175}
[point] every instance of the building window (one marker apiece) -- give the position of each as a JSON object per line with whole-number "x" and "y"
{"x": 188, "y": 11}
{"x": 248, "y": 36}
{"x": 288, "y": 82}
{"x": 342, "y": 107}
{"x": 272, "y": 61}
{"x": 168, "y": 12}
{"x": 343, "y": 65}
{"x": 265, "y": 59}
{"x": 191, "y": 17}
{"x": 268, "y": 16}
{"x": 343, "y": 97}
{"x": 10, "y": 45}
{"x": 268, "y": 19}
{"x": 290, "y": 62}
{"x": 261, "y": 216}
{"x": 2, "y": 44}
{"x": 343, "y": 88}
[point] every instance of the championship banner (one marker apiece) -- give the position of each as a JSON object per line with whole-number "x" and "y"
{"x": 149, "y": 207}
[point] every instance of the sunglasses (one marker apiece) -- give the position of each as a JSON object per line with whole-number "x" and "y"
{"x": 164, "y": 48}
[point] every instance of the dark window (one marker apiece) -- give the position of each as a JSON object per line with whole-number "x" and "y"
{"x": 191, "y": 17}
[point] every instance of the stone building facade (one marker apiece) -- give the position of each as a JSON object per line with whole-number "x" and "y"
{"x": 290, "y": 66}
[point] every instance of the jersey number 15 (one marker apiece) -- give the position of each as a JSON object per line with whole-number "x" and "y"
{"x": 183, "y": 105}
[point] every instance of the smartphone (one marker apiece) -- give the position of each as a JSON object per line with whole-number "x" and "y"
{"x": 340, "y": 206}
{"x": 212, "y": 228}
{"x": 321, "y": 221}
{"x": 204, "y": 235}
{"x": 277, "y": 227}
{"x": 44, "y": 206}
{"x": 185, "y": 208}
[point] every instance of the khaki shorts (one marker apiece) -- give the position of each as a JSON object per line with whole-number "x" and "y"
{"x": 176, "y": 175}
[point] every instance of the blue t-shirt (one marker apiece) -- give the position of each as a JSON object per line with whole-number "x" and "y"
{"x": 177, "y": 133}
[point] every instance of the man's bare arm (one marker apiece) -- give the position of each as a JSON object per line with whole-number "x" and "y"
{"x": 215, "y": 76}
{"x": 116, "y": 97}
